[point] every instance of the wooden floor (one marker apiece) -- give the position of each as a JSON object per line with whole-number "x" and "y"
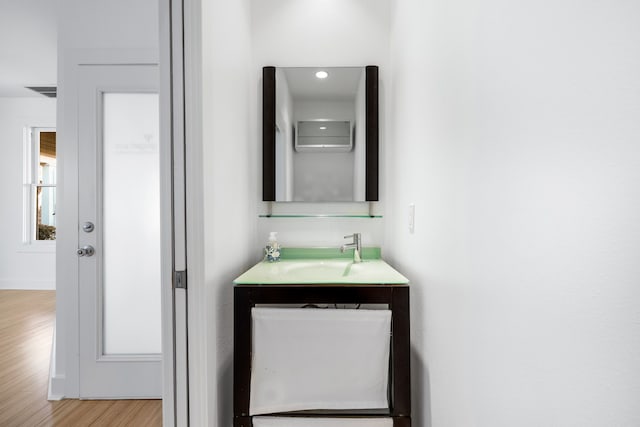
{"x": 26, "y": 328}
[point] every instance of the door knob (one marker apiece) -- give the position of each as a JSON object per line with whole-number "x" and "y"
{"x": 86, "y": 251}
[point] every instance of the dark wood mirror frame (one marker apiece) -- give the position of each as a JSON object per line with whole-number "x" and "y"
{"x": 269, "y": 134}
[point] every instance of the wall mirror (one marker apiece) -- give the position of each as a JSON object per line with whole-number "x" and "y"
{"x": 320, "y": 134}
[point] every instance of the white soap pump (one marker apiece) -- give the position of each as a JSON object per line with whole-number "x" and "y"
{"x": 272, "y": 250}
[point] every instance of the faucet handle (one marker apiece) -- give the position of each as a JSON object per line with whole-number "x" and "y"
{"x": 354, "y": 236}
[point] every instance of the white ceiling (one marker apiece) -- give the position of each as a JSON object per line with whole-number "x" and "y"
{"x": 341, "y": 85}
{"x": 28, "y": 43}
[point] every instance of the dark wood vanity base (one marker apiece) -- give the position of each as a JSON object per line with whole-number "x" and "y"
{"x": 395, "y": 296}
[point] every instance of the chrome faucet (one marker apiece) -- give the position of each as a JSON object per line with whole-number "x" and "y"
{"x": 356, "y": 245}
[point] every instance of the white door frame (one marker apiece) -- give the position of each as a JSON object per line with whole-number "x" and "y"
{"x": 65, "y": 362}
{"x": 172, "y": 134}
{"x": 201, "y": 412}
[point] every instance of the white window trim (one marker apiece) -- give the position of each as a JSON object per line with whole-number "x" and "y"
{"x": 29, "y": 180}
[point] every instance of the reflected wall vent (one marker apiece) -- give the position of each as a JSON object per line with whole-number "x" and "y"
{"x": 324, "y": 135}
{"x": 49, "y": 91}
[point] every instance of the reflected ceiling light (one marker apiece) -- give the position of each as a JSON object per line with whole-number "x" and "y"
{"x": 323, "y": 127}
{"x": 322, "y": 74}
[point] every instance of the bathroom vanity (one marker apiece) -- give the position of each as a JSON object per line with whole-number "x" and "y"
{"x": 317, "y": 277}
{"x": 321, "y": 338}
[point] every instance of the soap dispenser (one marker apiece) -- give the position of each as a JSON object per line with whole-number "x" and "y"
{"x": 272, "y": 250}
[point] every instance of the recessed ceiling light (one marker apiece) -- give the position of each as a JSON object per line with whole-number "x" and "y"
{"x": 322, "y": 74}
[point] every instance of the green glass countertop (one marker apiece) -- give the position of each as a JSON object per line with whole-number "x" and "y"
{"x": 322, "y": 266}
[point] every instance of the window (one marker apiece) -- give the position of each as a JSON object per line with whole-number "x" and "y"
{"x": 40, "y": 185}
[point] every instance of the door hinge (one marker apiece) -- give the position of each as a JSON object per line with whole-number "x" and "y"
{"x": 180, "y": 279}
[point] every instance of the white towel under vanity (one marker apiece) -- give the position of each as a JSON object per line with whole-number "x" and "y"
{"x": 310, "y": 358}
{"x": 321, "y": 422}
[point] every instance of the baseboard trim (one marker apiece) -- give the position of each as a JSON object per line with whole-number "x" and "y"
{"x": 56, "y": 382}
{"x": 31, "y": 285}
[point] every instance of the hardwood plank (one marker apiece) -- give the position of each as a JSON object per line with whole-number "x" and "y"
{"x": 26, "y": 331}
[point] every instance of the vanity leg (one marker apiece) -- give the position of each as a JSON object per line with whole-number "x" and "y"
{"x": 402, "y": 422}
{"x": 241, "y": 356}
{"x": 401, "y": 354}
{"x": 242, "y": 422}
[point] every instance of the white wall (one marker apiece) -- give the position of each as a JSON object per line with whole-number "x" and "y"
{"x": 289, "y": 33}
{"x": 107, "y": 25}
{"x": 515, "y": 132}
{"x": 229, "y": 164}
{"x": 28, "y": 51}
{"x": 21, "y": 266}
{"x": 322, "y": 176}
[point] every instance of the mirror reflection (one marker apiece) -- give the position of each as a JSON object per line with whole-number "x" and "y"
{"x": 320, "y": 149}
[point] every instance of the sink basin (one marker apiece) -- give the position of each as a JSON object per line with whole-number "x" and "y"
{"x": 321, "y": 271}
{"x": 314, "y": 268}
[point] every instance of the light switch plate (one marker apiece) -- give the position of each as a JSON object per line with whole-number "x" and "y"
{"x": 412, "y": 218}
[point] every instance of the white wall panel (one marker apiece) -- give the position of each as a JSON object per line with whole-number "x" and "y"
{"x": 21, "y": 266}
{"x": 515, "y": 129}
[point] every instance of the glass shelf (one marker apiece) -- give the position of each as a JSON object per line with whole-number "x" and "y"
{"x": 319, "y": 210}
{"x": 318, "y": 216}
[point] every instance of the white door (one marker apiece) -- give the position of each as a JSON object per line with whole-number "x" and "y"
{"x": 119, "y": 232}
